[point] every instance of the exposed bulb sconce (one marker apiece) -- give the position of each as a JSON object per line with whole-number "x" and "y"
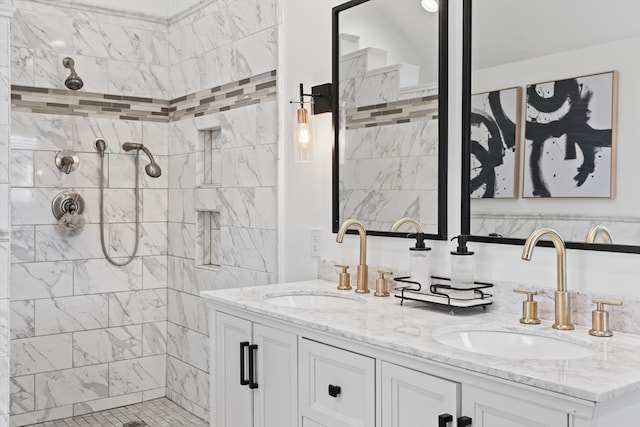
{"x": 430, "y": 5}
{"x": 320, "y": 101}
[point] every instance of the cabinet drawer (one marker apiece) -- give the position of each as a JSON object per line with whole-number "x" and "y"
{"x": 337, "y": 387}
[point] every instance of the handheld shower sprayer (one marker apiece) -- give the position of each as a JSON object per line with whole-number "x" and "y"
{"x": 152, "y": 169}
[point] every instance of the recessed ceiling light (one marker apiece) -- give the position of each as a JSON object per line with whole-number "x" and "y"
{"x": 430, "y": 5}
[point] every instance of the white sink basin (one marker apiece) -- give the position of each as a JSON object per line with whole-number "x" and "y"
{"x": 517, "y": 345}
{"x": 313, "y": 301}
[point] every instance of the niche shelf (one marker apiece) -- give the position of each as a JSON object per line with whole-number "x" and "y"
{"x": 208, "y": 239}
{"x": 208, "y": 158}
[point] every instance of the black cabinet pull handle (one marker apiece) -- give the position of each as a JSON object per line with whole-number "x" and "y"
{"x": 443, "y": 419}
{"x": 334, "y": 390}
{"x": 243, "y": 346}
{"x": 464, "y": 421}
{"x": 252, "y": 378}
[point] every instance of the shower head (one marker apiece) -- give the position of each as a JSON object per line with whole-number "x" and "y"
{"x": 152, "y": 169}
{"x": 73, "y": 82}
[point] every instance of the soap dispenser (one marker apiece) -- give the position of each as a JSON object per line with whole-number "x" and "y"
{"x": 420, "y": 263}
{"x": 462, "y": 265}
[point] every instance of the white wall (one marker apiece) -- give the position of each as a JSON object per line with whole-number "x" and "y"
{"x": 305, "y": 189}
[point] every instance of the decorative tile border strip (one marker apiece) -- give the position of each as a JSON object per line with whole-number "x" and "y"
{"x": 389, "y": 113}
{"x": 241, "y": 93}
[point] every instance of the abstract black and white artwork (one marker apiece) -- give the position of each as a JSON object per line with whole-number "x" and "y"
{"x": 569, "y": 132}
{"x": 495, "y": 132}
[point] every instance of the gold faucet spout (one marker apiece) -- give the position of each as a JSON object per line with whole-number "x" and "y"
{"x": 406, "y": 220}
{"x": 562, "y": 312}
{"x": 602, "y": 230}
{"x": 362, "y": 275}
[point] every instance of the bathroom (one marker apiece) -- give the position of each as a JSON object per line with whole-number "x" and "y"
{"x": 84, "y": 335}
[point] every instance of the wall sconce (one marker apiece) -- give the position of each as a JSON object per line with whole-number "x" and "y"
{"x": 320, "y": 102}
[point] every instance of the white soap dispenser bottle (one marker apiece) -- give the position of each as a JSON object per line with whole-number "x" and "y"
{"x": 462, "y": 265}
{"x": 420, "y": 263}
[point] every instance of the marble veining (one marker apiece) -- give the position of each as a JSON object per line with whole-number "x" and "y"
{"x": 612, "y": 371}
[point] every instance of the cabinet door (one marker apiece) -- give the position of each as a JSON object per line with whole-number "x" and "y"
{"x": 233, "y": 401}
{"x": 337, "y": 387}
{"x": 276, "y": 398}
{"x": 489, "y": 408}
{"x": 411, "y": 398}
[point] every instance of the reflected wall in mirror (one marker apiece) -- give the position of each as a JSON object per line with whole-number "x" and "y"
{"x": 389, "y": 65}
{"x": 522, "y": 43}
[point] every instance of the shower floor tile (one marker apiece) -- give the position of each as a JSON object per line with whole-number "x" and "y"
{"x": 156, "y": 413}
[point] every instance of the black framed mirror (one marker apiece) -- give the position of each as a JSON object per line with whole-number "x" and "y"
{"x": 564, "y": 154}
{"x": 390, "y": 84}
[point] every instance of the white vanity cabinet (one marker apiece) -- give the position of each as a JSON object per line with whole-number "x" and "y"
{"x": 255, "y": 377}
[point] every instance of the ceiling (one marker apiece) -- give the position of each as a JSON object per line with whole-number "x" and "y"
{"x": 160, "y": 9}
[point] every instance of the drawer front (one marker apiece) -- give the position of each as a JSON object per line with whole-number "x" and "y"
{"x": 337, "y": 387}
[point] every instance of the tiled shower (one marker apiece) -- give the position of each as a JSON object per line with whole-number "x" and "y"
{"x": 199, "y": 90}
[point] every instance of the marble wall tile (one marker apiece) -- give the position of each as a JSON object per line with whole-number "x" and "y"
{"x": 71, "y": 386}
{"x": 114, "y": 132}
{"x": 175, "y": 272}
{"x": 22, "y": 391}
{"x": 252, "y": 55}
{"x": 250, "y": 167}
{"x": 156, "y": 137}
{"x": 129, "y": 376}
{"x": 119, "y": 205}
{"x": 154, "y": 338}
{"x": 43, "y": 415}
{"x": 122, "y": 171}
{"x": 32, "y": 205}
{"x": 181, "y": 171}
{"x": 99, "y": 276}
{"x": 107, "y": 345}
{"x": 41, "y": 280}
{"x": 47, "y": 173}
{"x": 5, "y": 404}
{"x": 248, "y": 207}
{"x": 51, "y": 246}
{"x": 127, "y": 308}
{"x": 21, "y": 165}
{"x": 205, "y": 199}
{"x": 138, "y": 79}
{"x": 155, "y": 393}
{"x": 153, "y": 239}
{"x": 106, "y": 403}
{"x": 154, "y": 272}
{"x": 39, "y": 30}
{"x": 49, "y": 72}
{"x": 188, "y": 311}
{"x": 40, "y": 354}
{"x": 5, "y": 311}
{"x": 237, "y": 277}
{"x": 22, "y": 66}
{"x": 5, "y": 96}
{"x": 23, "y": 247}
{"x": 196, "y": 349}
{"x": 188, "y": 381}
{"x": 68, "y": 314}
{"x": 5, "y": 216}
{"x": 249, "y": 248}
{"x": 22, "y": 319}
{"x": 4, "y": 273}
{"x": 154, "y": 205}
{"x": 182, "y": 240}
{"x": 175, "y": 211}
{"x": 5, "y": 175}
{"x": 42, "y": 132}
{"x": 175, "y": 339}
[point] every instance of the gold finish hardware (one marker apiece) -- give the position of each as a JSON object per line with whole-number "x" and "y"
{"x": 345, "y": 278}
{"x": 362, "y": 286}
{"x": 599, "y": 229}
{"x": 396, "y": 225}
{"x": 563, "y": 314}
{"x": 600, "y": 318}
{"x": 381, "y": 284}
{"x": 529, "y": 307}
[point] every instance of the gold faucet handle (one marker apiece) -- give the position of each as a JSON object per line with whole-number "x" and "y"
{"x": 600, "y": 318}
{"x": 381, "y": 284}
{"x": 529, "y": 307}
{"x": 345, "y": 278}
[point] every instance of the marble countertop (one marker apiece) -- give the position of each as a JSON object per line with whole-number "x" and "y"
{"x": 613, "y": 369}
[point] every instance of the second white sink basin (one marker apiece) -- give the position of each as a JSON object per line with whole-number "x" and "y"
{"x": 312, "y": 301}
{"x": 517, "y": 345}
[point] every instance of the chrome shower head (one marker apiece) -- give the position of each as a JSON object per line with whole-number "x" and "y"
{"x": 73, "y": 82}
{"x": 152, "y": 169}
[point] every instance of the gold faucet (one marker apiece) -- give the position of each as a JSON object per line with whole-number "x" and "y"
{"x": 563, "y": 315}
{"x": 599, "y": 229}
{"x": 362, "y": 286}
{"x": 396, "y": 225}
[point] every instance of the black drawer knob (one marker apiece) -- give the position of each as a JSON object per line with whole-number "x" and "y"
{"x": 464, "y": 421}
{"x": 334, "y": 390}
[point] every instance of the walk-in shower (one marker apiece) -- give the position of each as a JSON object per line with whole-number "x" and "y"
{"x": 73, "y": 82}
{"x": 152, "y": 169}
